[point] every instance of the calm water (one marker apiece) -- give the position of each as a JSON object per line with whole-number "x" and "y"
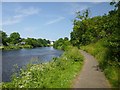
{"x": 23, "y": 57}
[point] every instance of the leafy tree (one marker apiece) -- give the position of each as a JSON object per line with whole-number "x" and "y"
{"x": 61, "y": 43}
{"x": 114, "y": 38}
{"x": 37, "y": 42}
{"x": 14, "y": 38}
{"x": 3, "y": 38}
{"x": 79, "y": 29}
{"x": 66, "y": 38}
{"x": 43, "y": 42}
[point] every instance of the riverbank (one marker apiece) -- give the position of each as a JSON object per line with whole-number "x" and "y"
{"x": 107, "y": 63}
{"x": 16, "y": 47}
{"x": 58, "y": 73}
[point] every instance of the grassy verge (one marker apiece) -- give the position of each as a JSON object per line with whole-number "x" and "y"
{"x": 59, "y": 73}
{"x": 106, "y": 62}
{"x": 15, "y": 47}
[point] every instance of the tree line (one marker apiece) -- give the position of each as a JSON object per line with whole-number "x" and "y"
{"x": 15, "y": 39}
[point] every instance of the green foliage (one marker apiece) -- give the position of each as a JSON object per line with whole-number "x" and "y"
{"x": 43, "y": 42}
{"x": 26, "y": 46}
{"x": 36, "y": 42}
{"x": 3, "y": 38}
{"x": 114, "y": 38}
{"x": 61, "y": 43}
{"x": 14, "y": 41}
{"x": 107, "y": 61}
{"x": 89, "y": 30}
{"x": 10, "y": 47}
{"x": 31, "y": 41}
{"x": 59, "y": 73}
{"x": 79, "y": 29}
{"x": 14, "y": 38}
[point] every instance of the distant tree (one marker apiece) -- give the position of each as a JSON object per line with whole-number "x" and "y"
{"x": 61, "y": 43}
{"x": 36, "y": 42}
{"x": 3, "y": 38}
{"x": 14, "y": 37}
{"x": 48, "y": 41}
{"x": 66, "y": 38}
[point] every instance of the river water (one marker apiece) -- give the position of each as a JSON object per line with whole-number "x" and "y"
{"x": 22, "y": 57}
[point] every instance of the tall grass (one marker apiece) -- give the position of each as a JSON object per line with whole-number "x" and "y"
{"x": 59, "y": 73}
{"x": 106, "y": 62}
{"x": 13, "y": 47}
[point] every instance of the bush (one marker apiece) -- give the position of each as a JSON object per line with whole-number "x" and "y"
{"x": 11, "y": 47}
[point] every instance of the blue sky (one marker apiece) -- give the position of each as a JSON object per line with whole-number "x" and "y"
{"x": 49, "y": 20}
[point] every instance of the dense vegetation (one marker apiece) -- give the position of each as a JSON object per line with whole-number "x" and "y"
{"x": 59, "y": 73}
{"x": 14, "y": 41}
{"x": 62, "y": 43}
{"x": 100, "y": 36}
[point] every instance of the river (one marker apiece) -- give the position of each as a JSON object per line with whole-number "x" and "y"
{"x": 24, "y": 56}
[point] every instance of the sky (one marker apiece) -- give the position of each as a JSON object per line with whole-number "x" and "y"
{"x": 49, "y": 20}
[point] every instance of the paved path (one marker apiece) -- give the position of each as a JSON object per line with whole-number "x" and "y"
{"x": 90, "y": 76}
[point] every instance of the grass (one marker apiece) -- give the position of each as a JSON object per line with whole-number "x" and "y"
{"x": 13, "y": 47}
{"x": 106, "y": 62}
{"x": 59, "y": 73}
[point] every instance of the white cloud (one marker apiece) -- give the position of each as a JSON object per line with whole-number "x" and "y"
{"x": 20, "y": 15}
{"x": 55, "y": 20}
{"x": 12, "y": 20}
{"x": 27, "y": 11}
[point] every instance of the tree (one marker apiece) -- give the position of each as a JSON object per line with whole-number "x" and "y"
{"x": 78, "y": 36}
{"x": 37, "y": 42}
{"x": 3, "y": 38}
{"x": 66, "y": 38}
{"x": 114, "y": 38}
{"x": 61, "y": 43}
{"x": 14, "y": 37}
